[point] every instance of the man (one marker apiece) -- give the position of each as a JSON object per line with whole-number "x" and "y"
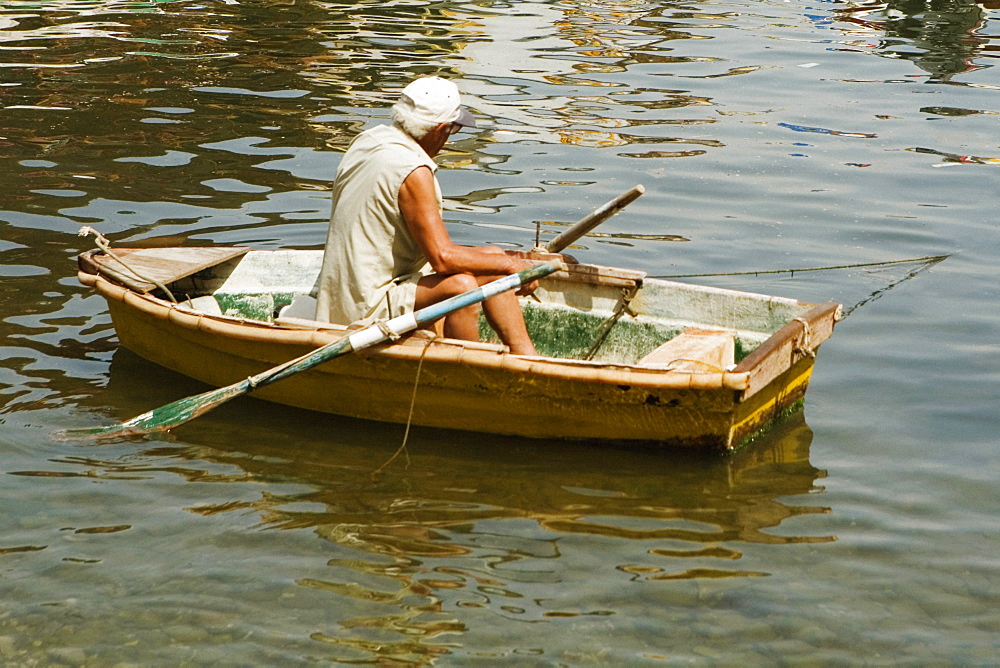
{"x": 388, "y": 251}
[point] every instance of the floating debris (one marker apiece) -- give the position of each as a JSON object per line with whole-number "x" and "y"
{"x": 953, "y": 111}
{"x": 826, "y": 131}
{"x": 22, "y": 548}
{"x": 955, "y": 158}
{"x": 108, "y": 529}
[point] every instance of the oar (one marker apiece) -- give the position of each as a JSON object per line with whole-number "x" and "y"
{"x": 177, "y": 413}
{"x": 589, "y": 222}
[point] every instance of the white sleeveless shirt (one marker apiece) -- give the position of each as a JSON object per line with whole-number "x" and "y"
{"x": 372, "y": 263}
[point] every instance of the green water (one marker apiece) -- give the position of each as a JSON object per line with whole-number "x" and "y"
{"x": 768, "y": 135}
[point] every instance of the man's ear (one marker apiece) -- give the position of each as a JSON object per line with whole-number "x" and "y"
{"x": 443, "y": 130}
{"x": 435, "y": 139}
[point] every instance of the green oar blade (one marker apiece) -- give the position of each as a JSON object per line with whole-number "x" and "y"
{"x": 178, "y": 412}
{"x": 160, "y": 419}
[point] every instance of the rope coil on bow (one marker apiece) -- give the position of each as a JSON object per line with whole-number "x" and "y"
{"x": 806, "y": 347}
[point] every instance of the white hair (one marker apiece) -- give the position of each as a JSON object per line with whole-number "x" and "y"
{"x": 405, "y": 117}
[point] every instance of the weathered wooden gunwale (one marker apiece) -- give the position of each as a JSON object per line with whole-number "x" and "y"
{"x": 481, "y": 386}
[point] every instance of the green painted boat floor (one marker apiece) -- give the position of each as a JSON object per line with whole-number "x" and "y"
{"x": 562, "y": 332}
{"x": 556, "y": 331}
{"x": 262, "y": 307}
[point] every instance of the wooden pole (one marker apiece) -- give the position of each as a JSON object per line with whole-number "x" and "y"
{"x": 589, "y": 222}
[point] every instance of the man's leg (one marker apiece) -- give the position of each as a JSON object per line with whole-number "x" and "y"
{"x": 503, "y": 312}
{"x": 434, "y": 288}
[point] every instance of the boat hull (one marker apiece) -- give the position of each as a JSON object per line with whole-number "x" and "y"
{"x": 379, "y": 386}
{"x": 664, "y": 396}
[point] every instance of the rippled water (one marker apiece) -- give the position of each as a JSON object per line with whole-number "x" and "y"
{"x": 769, "y": 135}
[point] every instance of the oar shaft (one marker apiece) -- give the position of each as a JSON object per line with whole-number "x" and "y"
{"x": 589, "y": 222}
{"x": 178, "y": 412}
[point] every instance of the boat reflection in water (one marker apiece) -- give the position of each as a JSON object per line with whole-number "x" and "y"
{"x": 463, "y": 527}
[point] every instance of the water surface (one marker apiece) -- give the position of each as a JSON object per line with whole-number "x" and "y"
{"x": 769, "y": 135}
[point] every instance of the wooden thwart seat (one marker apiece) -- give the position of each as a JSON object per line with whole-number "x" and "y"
{"x": 695, "y": 350}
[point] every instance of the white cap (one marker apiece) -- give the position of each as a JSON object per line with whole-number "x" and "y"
{"x": 436, "y": 100}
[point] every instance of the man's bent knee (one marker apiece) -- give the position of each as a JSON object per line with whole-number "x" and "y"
{"x": 460, "y": 283}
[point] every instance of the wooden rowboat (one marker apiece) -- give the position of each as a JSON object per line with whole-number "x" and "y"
{"x": 623, "y": 357}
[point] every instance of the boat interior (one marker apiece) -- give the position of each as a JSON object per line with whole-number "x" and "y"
{"x": 583, "y": 312}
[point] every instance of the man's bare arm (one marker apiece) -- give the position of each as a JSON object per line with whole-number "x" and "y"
{"x": 419, "y": 207}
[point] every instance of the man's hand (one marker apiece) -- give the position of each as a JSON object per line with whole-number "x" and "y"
{"x": 527, "y": 289}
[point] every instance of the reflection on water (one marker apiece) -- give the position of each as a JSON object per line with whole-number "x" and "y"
{"x": 467, "y": 527}
{"x": 567, "y": 85}
{"x": 939, "y": 36}
{"x": 530, "y": 80}
{"x": 157, "y": 119}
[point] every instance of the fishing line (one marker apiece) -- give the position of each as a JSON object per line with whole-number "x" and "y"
{"x": 928, "y": 263}
{"x": 924, "y": 263}
{"x": 929, "y": 260}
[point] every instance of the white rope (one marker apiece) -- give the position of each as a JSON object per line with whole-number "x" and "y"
{"x": 806, "y": 348}
{"x": 389, "y": 333}
{"x": 105, "y": 245}
{"x": 409, "y": 417}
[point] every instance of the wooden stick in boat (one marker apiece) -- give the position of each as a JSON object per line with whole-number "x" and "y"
{"x": 589, "y": 222}
{"x": 177, "y": 413}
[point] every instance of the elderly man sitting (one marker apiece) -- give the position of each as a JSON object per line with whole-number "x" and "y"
{"x": 388, "y": 251}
